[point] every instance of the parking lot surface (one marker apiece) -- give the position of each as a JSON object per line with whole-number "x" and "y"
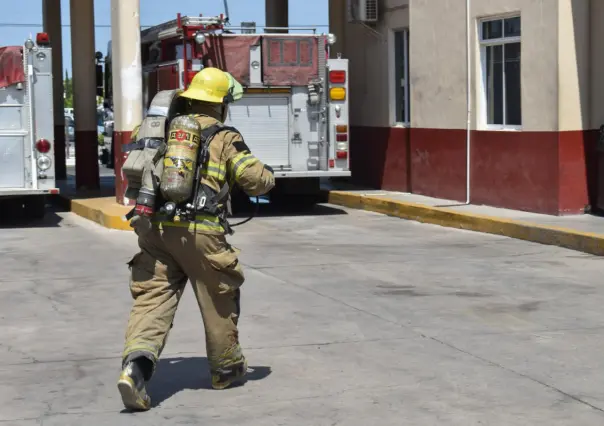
{"x": 348, "y": 318}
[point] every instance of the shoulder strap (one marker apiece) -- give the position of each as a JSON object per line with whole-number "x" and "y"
{"x": 208, "y": 133}
{"x": 153, "y": 143}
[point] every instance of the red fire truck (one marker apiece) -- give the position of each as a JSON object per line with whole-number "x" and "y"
{"x": 294, "y": 114}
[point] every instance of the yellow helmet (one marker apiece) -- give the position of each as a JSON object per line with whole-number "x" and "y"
{"x": 213, "y": 85}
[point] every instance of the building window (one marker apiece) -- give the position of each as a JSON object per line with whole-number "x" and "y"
{"x": 401, "y": 75}
{"x": 500, "y": 54}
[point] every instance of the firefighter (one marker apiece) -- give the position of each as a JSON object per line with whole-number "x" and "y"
{"x": 173, "y": 252}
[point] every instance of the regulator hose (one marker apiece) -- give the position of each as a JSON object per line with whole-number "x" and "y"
{"x": 254, "y": 213}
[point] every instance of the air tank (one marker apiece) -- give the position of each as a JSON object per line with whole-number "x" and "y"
{"x": 180, "y": 161}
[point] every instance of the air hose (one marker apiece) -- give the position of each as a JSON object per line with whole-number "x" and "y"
{"x": 254, "y": 213}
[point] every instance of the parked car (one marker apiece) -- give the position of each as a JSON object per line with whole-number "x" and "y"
{"x": 69, "y": 129}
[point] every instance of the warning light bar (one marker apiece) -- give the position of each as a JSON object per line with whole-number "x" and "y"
{"x": 42, "y": 39}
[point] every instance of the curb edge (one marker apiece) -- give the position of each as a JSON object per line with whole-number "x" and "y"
{"x": 543, "y": 234}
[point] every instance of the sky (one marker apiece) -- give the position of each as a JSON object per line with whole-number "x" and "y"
{"x": 16, "y": 25}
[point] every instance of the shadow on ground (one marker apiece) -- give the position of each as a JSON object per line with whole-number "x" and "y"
{"x": 174, "y": 375}
{"x": 292, "y": 209}
{"x": 68, "y": 188}
{"x": 11, "y": 218}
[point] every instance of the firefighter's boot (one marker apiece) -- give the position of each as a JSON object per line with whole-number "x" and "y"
{"x": 225, "y": 377}
{"x": 131, "y": 385}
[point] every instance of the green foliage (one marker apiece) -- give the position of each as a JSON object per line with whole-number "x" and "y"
{"x": 68, "y": 89}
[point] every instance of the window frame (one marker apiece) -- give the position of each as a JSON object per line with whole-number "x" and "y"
{"x": 483, "y": 44}
{"x": 393, "y": 78}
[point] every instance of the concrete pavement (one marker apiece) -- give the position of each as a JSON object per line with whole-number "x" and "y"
{"x": 348, "y": 318}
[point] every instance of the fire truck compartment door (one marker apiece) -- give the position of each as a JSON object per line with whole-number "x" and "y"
{"x": 12, "y": 171}
{"x": 264, "y": 124}
{"x": 14, "y": 137}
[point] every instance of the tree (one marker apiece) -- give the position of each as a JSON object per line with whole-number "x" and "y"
{"x": 68, "y": 90}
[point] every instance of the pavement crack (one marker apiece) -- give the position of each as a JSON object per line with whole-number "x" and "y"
{"x": 171, "y": 354}
{"x": 338, "y": 342}
{"x": 12, "y": 349}
{"x": 510, "y": 370}
{"x": 314, "y": 265}
{"x": 444, "y": 343}
{"x": 220, "y": 406}
{"x": 53, "y": 302}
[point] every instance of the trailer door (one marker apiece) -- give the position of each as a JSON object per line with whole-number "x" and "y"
{"x": 263, "y": 121}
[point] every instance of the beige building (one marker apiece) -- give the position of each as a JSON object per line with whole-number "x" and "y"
{"x": 519, "y": 82}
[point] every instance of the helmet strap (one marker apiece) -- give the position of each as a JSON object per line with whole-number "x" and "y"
{"x": 229, "y": 98}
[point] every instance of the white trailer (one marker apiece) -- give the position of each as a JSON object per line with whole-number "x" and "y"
{"x": 27, "y": 172}
{"x": 294, "y": 114}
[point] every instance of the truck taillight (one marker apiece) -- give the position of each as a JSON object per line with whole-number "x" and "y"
{"x": 43, "y": 146}
{"x": 341, "y": 141}
{"x": 337, "y": 93}
{"x": 337, "y": 77}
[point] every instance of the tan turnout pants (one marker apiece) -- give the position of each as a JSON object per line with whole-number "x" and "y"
{"x": 167, "y": 259}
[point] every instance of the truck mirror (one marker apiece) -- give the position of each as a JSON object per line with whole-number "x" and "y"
{"x": 99, "y": 80}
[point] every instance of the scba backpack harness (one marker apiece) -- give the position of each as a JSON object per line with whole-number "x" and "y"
{"x": 168, "y": 174}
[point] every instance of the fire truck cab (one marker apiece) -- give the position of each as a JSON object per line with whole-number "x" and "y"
{"x": 26, "y": 127}
{"x": 294, "y": 113}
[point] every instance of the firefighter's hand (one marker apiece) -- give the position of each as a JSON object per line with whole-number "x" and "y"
{"x": 140, "y": 225}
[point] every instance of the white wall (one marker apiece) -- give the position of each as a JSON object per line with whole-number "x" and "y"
{"x": 438, "y": 62}
{"x": 371, "y": 66}
{"x": 596, "y": 66}
{"x": 573, "y": 64}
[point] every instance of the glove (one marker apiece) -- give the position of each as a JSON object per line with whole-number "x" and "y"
{"x": 141, "y": 225}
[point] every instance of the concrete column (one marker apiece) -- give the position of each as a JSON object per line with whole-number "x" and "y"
{"x": 52, "y": 26}
{"x": 337, "y": 26}
{"x": 277, "y": 14}
{"x": 84, "y": 94}
{"x": 126, "y": 71}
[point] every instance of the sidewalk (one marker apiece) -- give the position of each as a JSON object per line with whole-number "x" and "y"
{"x": 99, "y": 206}
{"x": 578, "y": 232}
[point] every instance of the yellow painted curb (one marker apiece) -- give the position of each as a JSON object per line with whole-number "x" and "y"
{"x": 104, "y": 211}
{"x": 562, "y": 237}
